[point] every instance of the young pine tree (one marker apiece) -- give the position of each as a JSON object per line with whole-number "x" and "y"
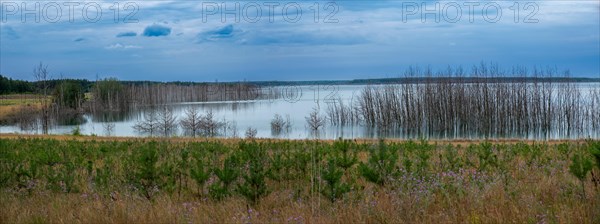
{"x": 580, "y": 166}
{"x": 200, "y": 172}
{"x": 332, "y": 176}
{"x": 253, "y": 186}
{"x": 226, "y": 175}
{"x": 345, "y": 156}
{"x": 381, "y": 164}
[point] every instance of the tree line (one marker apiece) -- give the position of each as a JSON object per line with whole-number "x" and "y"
{"x": 8, "y": 86}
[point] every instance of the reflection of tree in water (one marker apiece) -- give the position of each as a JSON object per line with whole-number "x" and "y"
{"x": 31, "y": 119}
{"x": 178, "y": 109}
{"x": 68, "y": 117}
{"x": 114, "y": 116}
{"x": 221, "y": 106}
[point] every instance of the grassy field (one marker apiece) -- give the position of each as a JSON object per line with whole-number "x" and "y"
{"x": 64, "y": 179}
{"x": 14, "y": 103}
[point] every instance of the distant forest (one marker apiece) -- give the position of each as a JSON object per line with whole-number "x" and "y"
{"x": 435, "y": 79}
{"x": 14, "y": 86}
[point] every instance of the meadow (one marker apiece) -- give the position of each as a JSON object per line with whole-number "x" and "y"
{"x": 103, "y": 180}
{"x": 15, "y": 103}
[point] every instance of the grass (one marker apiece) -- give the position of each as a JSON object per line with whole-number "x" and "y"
{"x": 19, "y": 99}
{"x": 13, "y": 103}
{"x": 64, "y": 179}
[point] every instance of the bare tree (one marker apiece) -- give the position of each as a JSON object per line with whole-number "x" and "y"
{"x": 278, "y": 124}
{"x": 314, "y": 120}
{"x": 149, "y": 124}
{"x": 231, "y": 128}
{"x": 288, "y": 123}
{"x": 209, "y": 125}
{"x": 108, "y": 128}
{"x": 251, "y": 133}
{"x": 167, "y": 121}
{"x": 191, "y": 122}
{"x": 40, "y": 73}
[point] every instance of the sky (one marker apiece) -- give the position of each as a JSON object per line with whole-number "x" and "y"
{"x": 292, "y": 40}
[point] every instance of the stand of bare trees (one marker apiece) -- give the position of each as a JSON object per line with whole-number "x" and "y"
{"x": 210, "y": 126}
{"x": 454, "y": 108}
{"x": 592, "y": 111}
{"x": 109, "y": 95}
{"x": 154, "y": 94}
{"x": 195, "y": 124}
{"x": 113, "y": 95}
{"x": 339, "y": 113}
{"x": 161, "y": 121}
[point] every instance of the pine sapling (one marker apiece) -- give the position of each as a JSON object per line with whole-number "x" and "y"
{"x": 226, "y": 175}
{"x": 595, "y": 151}
{"x": 423, "y": 155}
{"x": 253, "y": 186}
{"x": 346, "y": 157}
{"x": 580, "y": 166}
{"x": 200, "y": 172}
{"x": 381, "y": 164}
{"x": 333, "y": 178}
{"x": 452, "y": 159}
{"x": 146, "y": 174}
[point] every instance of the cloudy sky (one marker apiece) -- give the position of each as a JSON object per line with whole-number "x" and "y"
{"x": 194, "y": 41}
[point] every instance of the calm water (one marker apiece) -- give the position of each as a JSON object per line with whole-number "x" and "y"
{"x": 297, "y": 103}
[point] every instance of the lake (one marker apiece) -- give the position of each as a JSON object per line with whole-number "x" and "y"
{"x": 295, "y": 104}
